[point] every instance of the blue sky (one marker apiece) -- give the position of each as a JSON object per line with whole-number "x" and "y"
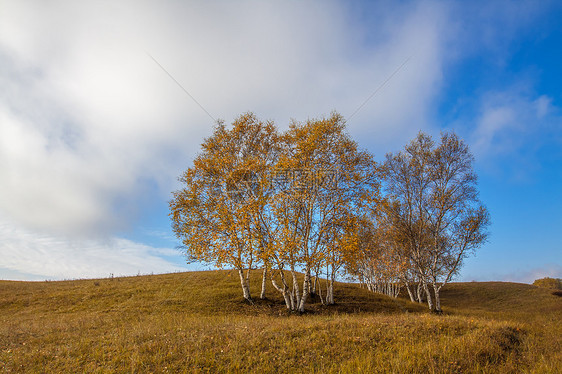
{"x": 93, "y": 133}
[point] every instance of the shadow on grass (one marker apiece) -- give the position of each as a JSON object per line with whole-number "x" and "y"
{"x": 349, "y": 299}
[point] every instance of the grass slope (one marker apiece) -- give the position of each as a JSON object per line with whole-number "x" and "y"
{"x": 197, "y": 322}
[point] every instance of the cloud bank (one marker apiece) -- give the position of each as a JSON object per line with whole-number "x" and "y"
{"x": 88, "y": 119}
{"x": 28, "y": 255}
{"x": 92, "y": 131}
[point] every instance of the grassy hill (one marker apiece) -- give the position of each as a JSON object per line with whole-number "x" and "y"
{"x": 197, "y": 322}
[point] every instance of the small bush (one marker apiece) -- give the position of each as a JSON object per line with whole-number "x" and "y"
{"x": 555, "y": 283}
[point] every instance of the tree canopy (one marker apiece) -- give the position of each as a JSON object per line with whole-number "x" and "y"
{"x": 309, "y": 200}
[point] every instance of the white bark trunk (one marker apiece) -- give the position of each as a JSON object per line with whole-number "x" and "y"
{"x": 285, "y": 291}
{"x": 263, "y": 282}
{"x": 305, "y": 290}
{"x": 428, "y": 296}
{"x": 296, "y": 287}
{"x": 289, "y": 294}
{"x": 412, "y": 299}
{"x": 320, "y": 293}
{"x": 330, "y": 293}
{"x": 245, "y": 286}
{"x": 315, "y": 284}
{"x": 436, "y": 290}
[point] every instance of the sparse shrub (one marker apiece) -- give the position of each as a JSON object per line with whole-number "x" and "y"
{"x": 547, "y": 282}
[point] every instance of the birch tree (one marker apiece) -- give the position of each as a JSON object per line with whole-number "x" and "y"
{"x": 378, "y": 262}
{"x": 288, "y": 203}
{"x": 214, "y": 213}
{"x": 435, "y": 208}
{"x": 457, "y": 219}
{"x": 330, "y": 180}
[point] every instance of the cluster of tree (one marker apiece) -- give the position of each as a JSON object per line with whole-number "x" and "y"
{"x": 429, "y": 221}
{"x": 309, "y": 200}
{"x": 286, "y": 202}
{"x": 547, "y": 282}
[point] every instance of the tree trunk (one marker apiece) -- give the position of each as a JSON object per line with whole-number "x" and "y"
{"x": 320, "y": 292}
{"x": 412, "y": 299}
{"x": 263, "y": 281}
{"x": 245, "y": 286}
{"x": 285, "y": 291}
{"x": 437, "y": 298}
{"x": 419, "y": 293}
{"x": 330, "y": 292}
{"x": 305, "y": 290}
{"x": 315, "y": 284}
{"x": 428, "y": 295}
{"x": 296, "y": 289}
{"x": 330, "y": 286}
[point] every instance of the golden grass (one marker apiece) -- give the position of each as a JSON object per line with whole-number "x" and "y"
{"x": 197, "y": 322}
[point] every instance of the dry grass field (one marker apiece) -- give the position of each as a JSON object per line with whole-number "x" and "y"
{"x": 197, "y": 323}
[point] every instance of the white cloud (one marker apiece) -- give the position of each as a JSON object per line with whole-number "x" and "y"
{"x": 87, "y": 116}
{"x": 28, "y": 255}
{"x": 513, "y": 122}
{"x": 543, "y": 106}
{"x": 510, "y": 131}
{"x": 91, "y": 129}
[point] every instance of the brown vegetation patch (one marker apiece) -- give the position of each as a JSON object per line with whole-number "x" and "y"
{"x": 197, "y": 322}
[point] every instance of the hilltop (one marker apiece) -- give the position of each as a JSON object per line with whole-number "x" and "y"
{"x": 198, "y": 322}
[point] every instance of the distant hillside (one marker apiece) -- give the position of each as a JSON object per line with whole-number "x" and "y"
{"x": 198, "y": 322}
{"x": 500, "y": 297}
{"x": 202, "y": 292}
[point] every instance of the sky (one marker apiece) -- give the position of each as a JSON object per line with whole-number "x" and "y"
{"x": 94, "y": 131}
